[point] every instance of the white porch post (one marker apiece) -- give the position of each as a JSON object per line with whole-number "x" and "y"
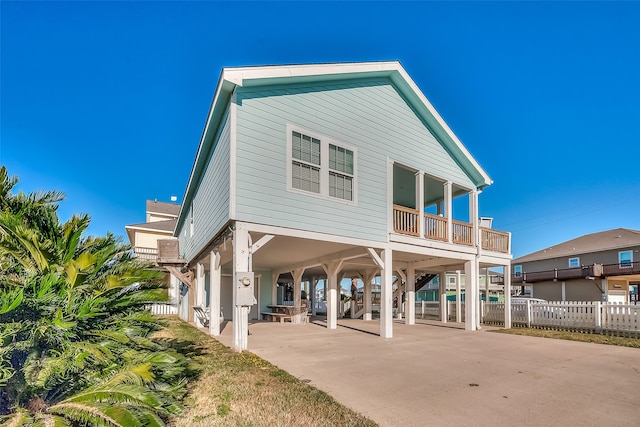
{"x": 506, "y": 274}
{"x": 312, "y": 295}
{"x": 448, "y": 209}
{"x": 442, "y": 296}
{"x": 564, "y": 291}
{"x": 332, "y": 268}
{"x": 471, "y": 294}
{"x": 386, "y": 297}
{"x": 199, "y": 284}
{"x": 240, "y": 337}
{"x": 410, "y": 300}
{"x": 214, "y": 293}
{"x": 274, "y": 287}
{"x": 297, "y": 295}
{"x": 367, "y": 277}
{"x": 420, "y": 202}
{"x": 458, "y": 297}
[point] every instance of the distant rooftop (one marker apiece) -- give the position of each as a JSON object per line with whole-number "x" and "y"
{"x": 164, "y": 208}
{"x": 595, "y": 242}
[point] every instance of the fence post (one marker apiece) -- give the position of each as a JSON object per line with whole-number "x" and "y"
{"x": 596, "y": 315}
{"x": 528, "y": 314}
{"x": 443, "y": 308}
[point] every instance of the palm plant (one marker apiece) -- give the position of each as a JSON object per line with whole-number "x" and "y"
{"x": 74, "y": 335}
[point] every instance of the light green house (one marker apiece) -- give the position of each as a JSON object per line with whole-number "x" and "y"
{"x": 327, "y": 171}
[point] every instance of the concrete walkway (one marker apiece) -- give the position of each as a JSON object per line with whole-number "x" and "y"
{"x": 441, "y": 375}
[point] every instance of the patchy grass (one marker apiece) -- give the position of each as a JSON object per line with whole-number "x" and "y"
{"x": 240, "y": 389}
{"x": 573, "y": 336}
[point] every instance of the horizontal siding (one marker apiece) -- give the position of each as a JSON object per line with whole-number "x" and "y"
{"x": 211, "y": 199}
{"x": 369, "y": 115}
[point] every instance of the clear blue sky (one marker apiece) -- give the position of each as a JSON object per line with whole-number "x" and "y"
{"x": 545, "y": 95}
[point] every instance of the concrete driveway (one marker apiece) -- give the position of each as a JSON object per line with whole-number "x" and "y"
{"x": 437, "y": 375}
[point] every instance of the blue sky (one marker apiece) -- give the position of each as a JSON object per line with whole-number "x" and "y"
{"x": 543, "y": 94}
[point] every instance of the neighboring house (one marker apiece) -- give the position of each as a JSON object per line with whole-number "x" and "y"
{"x": 489, "y": 282}
{"x": 602, "y": 266}
{"x": 160, "y": 223}
{"x": 327, "y": 171}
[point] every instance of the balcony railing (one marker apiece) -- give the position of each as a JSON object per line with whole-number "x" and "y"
{"x": 145, "y": 253}
{"x": 405, "y": 221}
{"x": 621, "y": 269}
{"x": 586, "y": 271}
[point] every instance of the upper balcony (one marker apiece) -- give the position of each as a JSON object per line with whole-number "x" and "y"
{"x": 435, "y": 220}
{"x": 405, "y": 221}
{"x": 583, "y": 272}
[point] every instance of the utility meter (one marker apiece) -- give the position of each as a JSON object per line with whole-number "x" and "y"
{"x": 244, "y": 288}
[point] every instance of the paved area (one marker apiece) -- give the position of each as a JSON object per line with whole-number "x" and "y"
{"x": 437, "y": 375}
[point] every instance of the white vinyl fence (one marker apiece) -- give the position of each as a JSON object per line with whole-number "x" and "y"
{"x": 588, "y": 316}
{"x": 162, "y": 308}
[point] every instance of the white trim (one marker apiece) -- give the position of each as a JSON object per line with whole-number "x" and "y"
{"x": 155, "y": 230}
{"x": 233, "y": 158}
{"x": 172, "y": 216}
{"x": 325, "y": 141}
{"x": 310, "y": 235}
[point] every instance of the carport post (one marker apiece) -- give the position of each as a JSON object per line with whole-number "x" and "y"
{"x": 332, "y": 268}
{"x": 410, "y": 300}
{"x": 442, "y": 291}
{"x": 458, "y": 297}
{"x": 471, "y": 294}
{"x": 367, "y": 277}
{"x": 240, "y": 336}
{"x": 506, "y": 274}
{"x": 386, "y": 297}
{"x": 214, "y": 293}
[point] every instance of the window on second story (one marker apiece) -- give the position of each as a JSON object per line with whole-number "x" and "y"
{"x": 517, "y": 270}
{"x": 321, "y": 166}
{"x": 574, "y": 262}
{"x": 625, "y": 258}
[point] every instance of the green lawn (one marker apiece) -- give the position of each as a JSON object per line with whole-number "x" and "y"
{"x": 240, "y": 389}
{"x": 573, "y": 336}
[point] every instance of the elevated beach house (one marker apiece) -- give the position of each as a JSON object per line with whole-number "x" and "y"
{"x": 326, "y": 171}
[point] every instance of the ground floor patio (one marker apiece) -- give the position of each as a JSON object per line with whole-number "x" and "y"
{"x": 441, "y": 375}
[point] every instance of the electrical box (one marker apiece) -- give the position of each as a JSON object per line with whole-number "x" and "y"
{"x": 244, "y": 288}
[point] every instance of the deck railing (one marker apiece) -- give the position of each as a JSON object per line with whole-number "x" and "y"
{"x": 405, "y": 221}
{"x": 462, "y": 232}
{"x": 435, "y": 227}
{"x": 145, "y": 253}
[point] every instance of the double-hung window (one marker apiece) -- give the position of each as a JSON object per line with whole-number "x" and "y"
{"x": 517, "y": 270}
{"x": 625, "y": 258}
{"x": 321, "y": 165}
{"x": 574, "y": 262}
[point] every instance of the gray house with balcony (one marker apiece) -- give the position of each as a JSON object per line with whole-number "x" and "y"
{"x": 603, "y": 266}
{"x": 328, "y": 171}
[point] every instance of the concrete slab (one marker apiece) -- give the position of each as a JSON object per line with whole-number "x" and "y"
{"x": 441, "y": 375}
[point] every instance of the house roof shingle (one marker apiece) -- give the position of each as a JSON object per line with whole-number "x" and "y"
{"x": 165, "y": 208}
{"x": 594, "y": 242}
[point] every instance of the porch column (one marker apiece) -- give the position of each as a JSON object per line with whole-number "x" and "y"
{"x": 274, "y": 288}
{"x": 420, "y": 202}
{"x": 297, "y": 296}
{"x": 215, "y": 276}
{"x": 410, "y": 300}
{"x": 401, "y": 277}
{"x": 564, "y": 291}
{"x": 386, "y": 296}
{"x": 442, "y": 296}
{"x": 474, "y": 219}
{"x": 506, "y": 274}
{"x": 240, "y": 336}
{"x": 312, "y": 295}
{"x": 486, "y": 285}
{"x": 458, "y": 297}
{"x": 367, "y": 277}
{"x": 471, "y": 294}
{"x": 191, "y": 300}
{"x": 199, "y": 284}
{"x": 448, "y": 209}
{"x": 332, "y": 268}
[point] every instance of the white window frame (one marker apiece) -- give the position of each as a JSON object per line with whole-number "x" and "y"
{"x": 516, "y": 272}
{"x": 576, "y": 260}
{"x": 624, "y": 264}
{"x": 325, "y": 141}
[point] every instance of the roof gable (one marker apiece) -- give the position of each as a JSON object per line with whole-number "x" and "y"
{"x": 230, "y": 78}
{"x": 594, "y": 242}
